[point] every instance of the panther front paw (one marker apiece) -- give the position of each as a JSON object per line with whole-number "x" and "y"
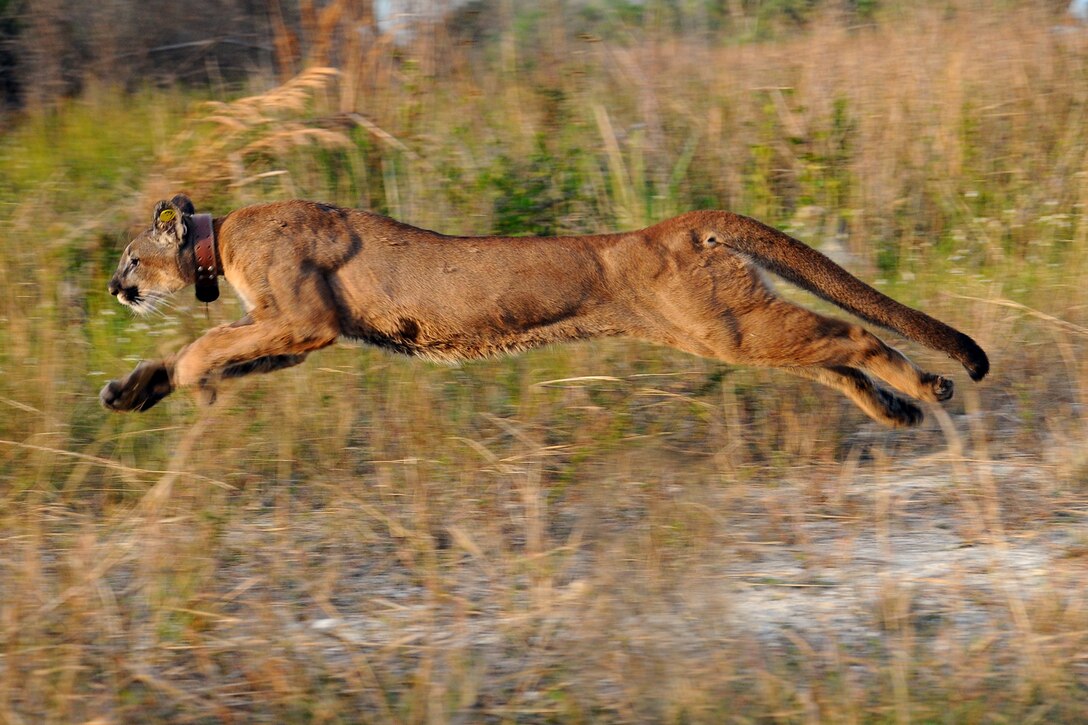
{"x": 139, "y": 390}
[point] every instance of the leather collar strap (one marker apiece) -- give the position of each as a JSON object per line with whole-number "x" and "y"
{"x": 207, "y": 264}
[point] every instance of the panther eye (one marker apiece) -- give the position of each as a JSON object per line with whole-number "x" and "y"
{"x": 133, "y": 263}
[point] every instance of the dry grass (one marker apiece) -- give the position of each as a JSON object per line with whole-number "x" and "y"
{"x": 606, "y": 532}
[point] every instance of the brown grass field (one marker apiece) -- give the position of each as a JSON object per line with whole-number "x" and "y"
{"x": 606, "y": 532}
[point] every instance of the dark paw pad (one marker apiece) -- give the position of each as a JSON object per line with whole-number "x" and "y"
{"x": 139, "y": 390}
{"x": 942, "y": 387}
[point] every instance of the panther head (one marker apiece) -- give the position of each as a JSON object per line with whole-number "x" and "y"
{"x": 154, "y": 264}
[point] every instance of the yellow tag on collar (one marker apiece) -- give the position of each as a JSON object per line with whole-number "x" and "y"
{"x": 167, "y": 215}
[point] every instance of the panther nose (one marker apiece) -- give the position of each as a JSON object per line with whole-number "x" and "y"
{"x": 115, "y": 286}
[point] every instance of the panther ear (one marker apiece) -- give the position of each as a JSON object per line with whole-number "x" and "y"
{"x": 170, "y": 220}
{"x": 183, "y": 204}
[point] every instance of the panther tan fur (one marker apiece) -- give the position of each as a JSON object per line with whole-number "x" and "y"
{"x": 310, "y": 273}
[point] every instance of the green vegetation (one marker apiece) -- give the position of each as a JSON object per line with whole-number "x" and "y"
{"x": 601, "y": 532}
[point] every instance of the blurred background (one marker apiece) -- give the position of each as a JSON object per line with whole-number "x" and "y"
{"x": 600, "y": 532}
